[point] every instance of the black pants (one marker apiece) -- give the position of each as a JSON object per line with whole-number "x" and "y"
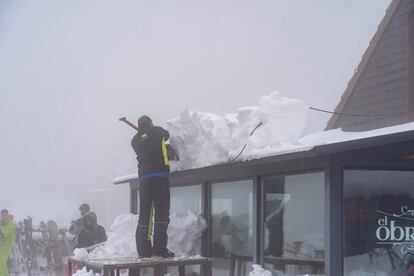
{"x": 154, "y": 200}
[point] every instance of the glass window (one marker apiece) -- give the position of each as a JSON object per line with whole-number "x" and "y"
{"x": 187, "y": 198}
{"x": 183, "y": 200}
{"x": 294, "y": 224}
{"x": 232, "y": 226}
{"x": 378, "y": 223}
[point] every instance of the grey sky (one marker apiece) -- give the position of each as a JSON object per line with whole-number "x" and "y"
{"x": 70, "y": 69}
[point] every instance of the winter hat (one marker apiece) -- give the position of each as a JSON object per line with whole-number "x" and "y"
{"x": 92, "y": 216}
{"x": 85, "y": 207}
{"x": 144, "y": 122}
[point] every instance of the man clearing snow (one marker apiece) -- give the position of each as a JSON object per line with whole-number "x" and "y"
{"x": 154, "y": 189}
{"x": 7, "y": 236}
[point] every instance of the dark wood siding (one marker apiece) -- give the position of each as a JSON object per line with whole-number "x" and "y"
{"x": 383, "y": 87}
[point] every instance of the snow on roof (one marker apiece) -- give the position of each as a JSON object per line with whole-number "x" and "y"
{"x": 204, "y": 139}
{"x": 125, "y": 178}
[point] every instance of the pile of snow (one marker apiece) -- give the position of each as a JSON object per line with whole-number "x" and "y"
{"x": 81, "y": 253}
{"x": 203, "y": 139}
{"x": 121, "y": 239}
{"x": 84, "y": 272}
{"x": 183, "y": 230}
{"x": 183, "y": 233}
{"x": 258, "y": 270}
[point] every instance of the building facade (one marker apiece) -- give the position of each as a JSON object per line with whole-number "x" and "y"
{"x": 338, "y": 209}
{"x": 345, "y": 208}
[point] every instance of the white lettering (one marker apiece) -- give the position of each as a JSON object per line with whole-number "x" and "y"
{"x": 386, "y": 231}
{"x": 405, "y": 211}
{"x": 409, "y": 233}
{"x": 394, "y": 229}
{"x": 391, "y": 233}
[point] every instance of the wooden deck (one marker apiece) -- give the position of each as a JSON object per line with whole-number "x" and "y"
{"x": 112, "y": 266}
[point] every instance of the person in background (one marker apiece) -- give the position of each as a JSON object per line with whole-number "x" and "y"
{"x": 91, "y": 233}
{"x": 154, "y": 188}
{"x": 77, "y": 225}
{"x": 7, "y": 237}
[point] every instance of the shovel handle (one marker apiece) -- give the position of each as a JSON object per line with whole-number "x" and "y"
{"x": 125, "y": 120}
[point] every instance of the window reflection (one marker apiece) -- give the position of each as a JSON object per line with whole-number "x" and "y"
{"x": 294, "y": 224}
{"x": 378, "y": 223}
{"x": 184, "y": 199}
{"x": 232, "y": 226}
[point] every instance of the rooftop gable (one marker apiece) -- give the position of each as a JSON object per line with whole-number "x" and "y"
{"x": 381, "y": 83}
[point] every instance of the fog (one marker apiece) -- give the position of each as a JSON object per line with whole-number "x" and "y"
{"x": 70, "y": 69}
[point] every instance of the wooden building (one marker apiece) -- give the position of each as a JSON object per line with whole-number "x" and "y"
{"x": 383, "y": 83}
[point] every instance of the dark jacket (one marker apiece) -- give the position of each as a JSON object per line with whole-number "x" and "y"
{"x": 91, "y": 234}
{"x": 149, "y": 146}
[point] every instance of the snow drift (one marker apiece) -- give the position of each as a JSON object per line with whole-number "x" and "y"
{"x": 84, "y": 272}
{"x": 258, "y": 270}
{"x": 184, "y": 231}
{"x": 204, "y": 138}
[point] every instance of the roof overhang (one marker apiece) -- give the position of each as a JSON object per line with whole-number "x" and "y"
{"x": 314, "y": 156}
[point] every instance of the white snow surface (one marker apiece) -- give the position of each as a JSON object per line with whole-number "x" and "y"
{"x": 84, "y": 272}
{"x": 125, "y": 178}
{"x": 258, "y": 270}
{"x": 303, "y": 144}
{"x": 121, "y": 239}
{"x": 203, "y": 138}
{"x": 183, "y": 232}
